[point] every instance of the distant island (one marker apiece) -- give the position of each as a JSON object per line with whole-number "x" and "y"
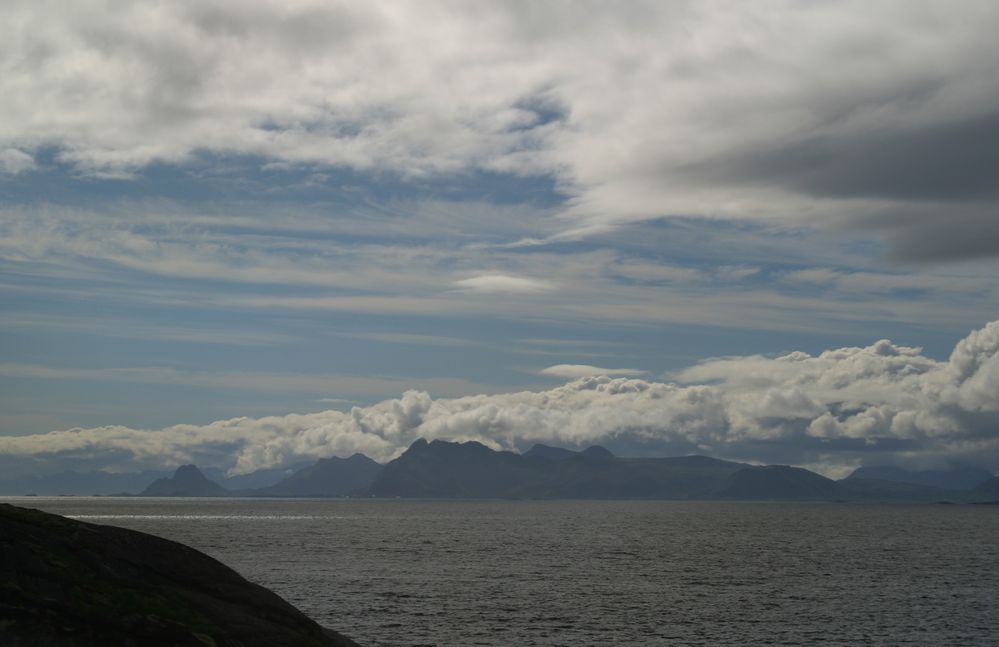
{"x": 70, "y": 583}
{"x": 446, "y": 470}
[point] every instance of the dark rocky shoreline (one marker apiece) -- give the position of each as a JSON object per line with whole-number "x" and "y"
{"x": 70, "y": 583}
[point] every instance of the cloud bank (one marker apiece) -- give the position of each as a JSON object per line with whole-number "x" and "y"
{"x": 876, "y": 112}
{"x": 844, "y": 407}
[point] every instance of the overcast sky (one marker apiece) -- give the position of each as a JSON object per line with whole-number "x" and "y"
{"x": 248, "y": 233}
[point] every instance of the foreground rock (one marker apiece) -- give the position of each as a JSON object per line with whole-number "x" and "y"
{"x": 68, "y": 583}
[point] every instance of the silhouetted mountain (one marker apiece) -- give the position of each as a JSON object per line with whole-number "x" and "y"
{"x": 862, "y": 489}
{"x": 79, "y": 483}
{"x": 778, "y": 482}
{"x": 986, "y": 491}
{"x": 186, "y": 481}
{"x": 447, "y": 470}
{"x": 957, "y": 478}
{"x": 597, "y": 474}
{"x": 551, "y": 453}
{"x": 326, "y": 477}
{"x": 442, "y": 469}
{"x": 252, "y": 480}
{"x": 69, "y": 583}
{"x": 457, "y": 470}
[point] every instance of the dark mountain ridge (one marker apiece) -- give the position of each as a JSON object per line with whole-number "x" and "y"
{"x": 79, "y": 483}
{"x": 186, "y": 481}
{"x": 958, "y": 477}
{"x": 442, "y": 470}
{"x": 552, "y": 453}
{"x": 768, "y": 482}
{"x": 327, "y": 477}
{"x": 987, "y": 491}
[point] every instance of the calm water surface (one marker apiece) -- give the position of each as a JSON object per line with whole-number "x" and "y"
{"x": 395, "y": 573}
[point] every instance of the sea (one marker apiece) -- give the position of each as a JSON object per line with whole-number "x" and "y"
{"x": 511, "y": 573}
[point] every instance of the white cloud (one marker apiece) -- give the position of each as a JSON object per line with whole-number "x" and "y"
{"x": 840, "y": 408}
{"x": 502, "y": 284}
{"x": 573, "y": 371}
{"x": 14, "y": 161}
{"x": 638, "y": 110}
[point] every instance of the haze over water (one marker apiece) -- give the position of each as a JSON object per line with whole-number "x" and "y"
{"x": 456, "y": 573}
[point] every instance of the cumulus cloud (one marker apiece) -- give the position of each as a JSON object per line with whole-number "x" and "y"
{"x": 843, "y": 407}
{"x": 879, "y": 111}
{"x": 574, "y": 371}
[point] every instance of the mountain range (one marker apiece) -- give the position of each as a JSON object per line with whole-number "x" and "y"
{"x": 441, "y": 469}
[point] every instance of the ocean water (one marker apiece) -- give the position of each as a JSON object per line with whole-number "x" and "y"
{"x": 503, "y": 573}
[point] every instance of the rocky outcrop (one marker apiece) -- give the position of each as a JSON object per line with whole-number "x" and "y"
{"x": 69, "y": 583}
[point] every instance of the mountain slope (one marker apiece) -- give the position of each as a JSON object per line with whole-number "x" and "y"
{"x": 441, "y": 469}
{"x": 186, "y": 481}
{"x": 956, "y": 478}
{"x": 987, "y": 491}
{"x": 862, "y": 489}
{"x": 454, "y": 470}
{"x": 778, "y": 482}
{"x": 79, "y": 483}
{"x": 326, "y": 477}
{"x": 551, "y": 453}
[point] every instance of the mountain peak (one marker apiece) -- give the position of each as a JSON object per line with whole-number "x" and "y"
{"x": 418, "y": 445}
{"x": 189, "y": 472}
{"x": 188, "y": 480}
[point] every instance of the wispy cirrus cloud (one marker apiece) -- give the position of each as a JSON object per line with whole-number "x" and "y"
{"x": 318, "y": 383}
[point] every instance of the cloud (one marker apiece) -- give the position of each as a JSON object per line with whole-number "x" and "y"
{"x": 849, "y": 111}
{"x": 167, "y": 254}
{"x": 574, "y": 371}
{"x": 502, "y": 284}
{"x": 269, "y": 382}
{"x": 14, "y": 161}
{"x": 841, "y": 408}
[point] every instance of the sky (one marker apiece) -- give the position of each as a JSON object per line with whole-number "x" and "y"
{"x": 244, "y": 234}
